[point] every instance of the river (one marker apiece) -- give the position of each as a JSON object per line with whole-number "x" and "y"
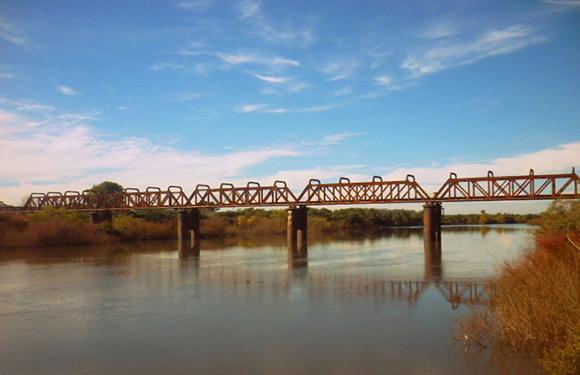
{"x": 365, "y": 304}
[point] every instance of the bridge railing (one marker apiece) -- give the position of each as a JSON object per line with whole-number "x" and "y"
{"x": 496, "y": 188}
{"x": 376, "y": 191}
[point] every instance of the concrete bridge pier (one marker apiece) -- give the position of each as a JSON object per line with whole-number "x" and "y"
{"x": 188, "y": 232}
{"x": 98, "y": 217}
{"x": 432, "y": 221}
{"x": 298, "y": 230}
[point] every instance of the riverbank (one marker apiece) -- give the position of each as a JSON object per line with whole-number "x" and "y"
{"x": 52, "y": 227}
{"x": 535, "y": 307}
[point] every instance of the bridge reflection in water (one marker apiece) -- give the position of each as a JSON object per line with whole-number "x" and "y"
{"x": 456, "y": 292}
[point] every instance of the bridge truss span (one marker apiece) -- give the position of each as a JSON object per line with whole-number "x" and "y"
{"x": 253, "y": 194}
{"x": 376, "y": 191}
{"x": 498, "y": 188}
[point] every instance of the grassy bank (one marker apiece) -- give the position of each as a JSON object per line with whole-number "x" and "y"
{"x": 535, "y": 307}
{"x": 51, "y": 227}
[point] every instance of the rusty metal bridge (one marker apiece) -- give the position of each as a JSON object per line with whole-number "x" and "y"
{"x": 377, "y": 191}
{"x": 345, "y": 192}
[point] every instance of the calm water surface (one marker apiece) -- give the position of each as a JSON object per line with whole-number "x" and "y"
{"x": 357, "y": 305}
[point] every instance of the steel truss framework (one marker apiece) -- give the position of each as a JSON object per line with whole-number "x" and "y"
{"x": 489, "y": 188}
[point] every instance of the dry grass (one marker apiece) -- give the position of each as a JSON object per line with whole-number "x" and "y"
{"x": 22, "y": 231}
{"x": 535, "y": 308}
{"x": 55, "y": 228}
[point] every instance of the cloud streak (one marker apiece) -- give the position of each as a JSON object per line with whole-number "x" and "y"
{"x": 251, "y": 13}
{"x": 271, "y": 79}
{"x": 68, "y": 91}
{"x": 341, "y": 69}
{"x": 250, "y": 108}
{"x": 9, "y": 33}
{"x": 446, "y": 55}
{"x": 321, "y": 108}
{"x": 195, "y": 5}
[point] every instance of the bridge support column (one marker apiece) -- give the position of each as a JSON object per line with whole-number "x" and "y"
{"x": 432, "y": 221}
{"x": 98, "y": 217}
{"x": 188, "y": 232}
{"x": 298, "y": 230}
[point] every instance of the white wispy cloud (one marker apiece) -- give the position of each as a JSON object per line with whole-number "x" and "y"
{"x": 563, "y": 5}
{"x": 70, "y": 119}
{"x": 255, "y": 57}
{"x": 290, "y": 34}
{"x": 25, "y": 105}
{"x": 344, "y": 91}
{"x": 384, "y": 80}
{"x": 445, "y": 55}
{"x": 439, "y": 30}
{"x": 321, "y": 108}
{"x": 185, "y": 96}
{"x": 250, "y": 108}
{"x": 68, "y": 91}
{"x": 332, "y": 139}
{"x": 35, "y": 107}
{"x": 336, "y": 138}
{"x": 271, "y": 79}
{"x": 9, "y": 33}
{"x": 5, "y": 75}
{"x": 166, "y": 65}
{"x": 341, "y": 69}
{"x": 289, "y": 87}
{"x": 195, "y": 5}
{"x": 249, "y": 8}
{"x": 71, "y": 153}
{"x": 202, "y": 61}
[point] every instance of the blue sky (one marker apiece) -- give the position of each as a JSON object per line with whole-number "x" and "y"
{"x": 205, "y": 91}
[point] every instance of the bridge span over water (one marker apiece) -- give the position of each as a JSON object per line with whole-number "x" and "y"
{"x": 530, "y": 186}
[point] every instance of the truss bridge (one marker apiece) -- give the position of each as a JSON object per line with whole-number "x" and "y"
{"x": 377, "y": 191}
{"x": 101, "y": 206}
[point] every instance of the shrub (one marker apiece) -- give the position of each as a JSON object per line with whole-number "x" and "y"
{"x": 133, "y": 228}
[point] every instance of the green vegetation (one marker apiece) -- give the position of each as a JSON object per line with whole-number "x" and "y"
{"x": 535, "y": 305}
{"x": 485, "y": 218}
{"x": 107, "y": 187}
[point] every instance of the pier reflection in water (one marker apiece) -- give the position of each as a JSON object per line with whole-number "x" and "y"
{"x": 371, "y": 303}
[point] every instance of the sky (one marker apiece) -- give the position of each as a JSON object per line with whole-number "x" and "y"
{"x": 187, "y": 92}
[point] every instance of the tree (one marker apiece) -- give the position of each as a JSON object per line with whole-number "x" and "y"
{"x": 2, "y": 204}
{"x": 501, "y": 219}
{"x": 484, "y": 218}
{"x": 108, "y": 187}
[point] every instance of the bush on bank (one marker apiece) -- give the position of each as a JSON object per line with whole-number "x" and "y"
{"x": 535, "y": 305}
{"x": 59, "y": 227}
